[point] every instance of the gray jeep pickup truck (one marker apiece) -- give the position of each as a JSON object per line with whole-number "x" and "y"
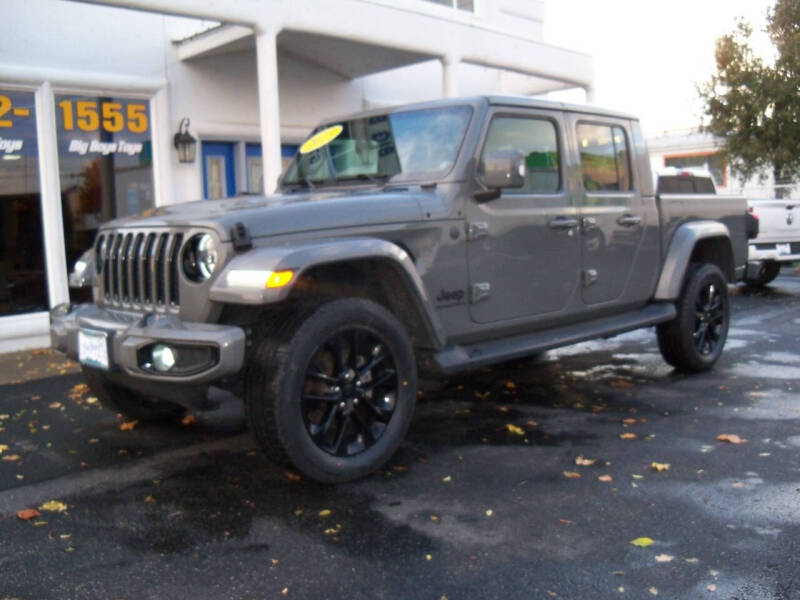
{"x": 421, "y": 240}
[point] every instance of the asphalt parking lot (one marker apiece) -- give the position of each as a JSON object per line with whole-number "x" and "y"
{"x": 529, "y": 480}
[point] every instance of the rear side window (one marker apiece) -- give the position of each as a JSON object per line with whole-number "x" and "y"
{"x": 605, "y": 158}
{"x": 703, "y": 185}
{"x": 675, "y": 185}
{"x": 536, "y": 139}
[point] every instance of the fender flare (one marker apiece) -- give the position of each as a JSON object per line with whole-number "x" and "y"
{"x": 302, "y": 256}
{"x": 679, "y": 254}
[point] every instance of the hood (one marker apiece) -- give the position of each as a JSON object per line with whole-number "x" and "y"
{"x": 287, "y": 213}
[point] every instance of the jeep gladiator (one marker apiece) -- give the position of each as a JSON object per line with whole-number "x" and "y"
{"x": 417, "y": 241}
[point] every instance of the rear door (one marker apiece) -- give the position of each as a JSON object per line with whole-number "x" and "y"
{"x": 777, "y": 222}
{"x": 523, "y": 249}
{"x": 612, "y": 215}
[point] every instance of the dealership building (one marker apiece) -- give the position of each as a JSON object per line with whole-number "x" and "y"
{"x": 93, "y": 94}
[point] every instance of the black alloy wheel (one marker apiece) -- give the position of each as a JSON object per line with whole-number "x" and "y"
{"x": 694, "y": 339}
{"x": 350, "y": 392}
{"x": 331, "y": 388}
{"x": 709, "y": 319}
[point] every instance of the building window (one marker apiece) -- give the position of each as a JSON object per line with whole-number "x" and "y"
{"x": 536, "y": 140}
{"x": 23, "y": 286}
{"x": 105, "y": 163}
{"x": 605, "y": 162}
{"x": 467, "y": 5}
{"x": 710, "y": 161}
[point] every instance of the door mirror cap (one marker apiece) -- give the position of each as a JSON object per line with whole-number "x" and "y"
{"x": 502, "y": 169}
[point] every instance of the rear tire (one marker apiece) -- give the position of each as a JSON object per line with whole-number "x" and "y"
{"x": 129, "y": 403}
{"x": 771, "y": 269}
{"x": 331, "y": 389}
{"x": 694, "y": 340}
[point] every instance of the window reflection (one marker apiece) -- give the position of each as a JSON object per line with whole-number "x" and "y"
{"x": 105, "y": 163}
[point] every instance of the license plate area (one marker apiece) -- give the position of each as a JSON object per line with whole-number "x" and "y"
{"x": 93, "y": 348}
{"x": 783, "y": 249}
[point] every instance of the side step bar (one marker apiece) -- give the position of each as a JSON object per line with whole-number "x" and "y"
{"x": 458, "y": 358}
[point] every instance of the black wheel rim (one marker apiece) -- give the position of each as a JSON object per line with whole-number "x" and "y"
{"x": 709, "y": 319}
{"x": 350, "y": 392}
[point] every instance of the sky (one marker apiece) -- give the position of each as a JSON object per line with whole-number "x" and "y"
{"x": 650, "y": 54}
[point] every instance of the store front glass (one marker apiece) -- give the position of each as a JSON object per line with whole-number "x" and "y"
{"x": 105, "y": 163}
{"x": 23, "y": 285}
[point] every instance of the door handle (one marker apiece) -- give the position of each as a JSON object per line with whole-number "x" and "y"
{"x": 563, "y": 223}
{"x": 629, "y": 220}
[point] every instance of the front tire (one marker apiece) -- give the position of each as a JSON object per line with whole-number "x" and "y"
{"x": 332, "y": 389}
{"x": 129, "y": 403}
{"x": 694, "y": 340}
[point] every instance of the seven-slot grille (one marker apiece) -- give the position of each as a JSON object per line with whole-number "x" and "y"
{"x": 139, "y": 269}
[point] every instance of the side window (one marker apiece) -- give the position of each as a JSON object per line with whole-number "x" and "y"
{"x": 605, "y": 158}
{"x": 536, "y": 139}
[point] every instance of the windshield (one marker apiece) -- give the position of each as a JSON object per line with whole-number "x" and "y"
{"x": 415, "y": 144}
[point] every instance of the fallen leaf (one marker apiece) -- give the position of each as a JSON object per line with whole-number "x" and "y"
{"x": 565, "y": 521}
{"x": 91, "y": 400}
{"x": 128, "y": 425}
{"x": 284, "y": 591}
{"x": 731, "y": 438}
{"x": 629, "y": 421}
{"x": 11, "y": 457}
{"x": 585, "y": 462}
{"x": 53, "y": 506}
{"x": 657, "y": 466}
{"x": 571, "y": 475}
{"x": 628, "y": 436}
{"x": 691, "y": 561}
{"x": 189, "y": 419}
{"x": 489, "y": 512}
{"x": 621, "y": 383}
{"x": 635, "y": 476}
{"x": 605, "y": 478}
{"x": 510, "y": 385}
{"x": 434, "y": 518}
{"x": 54, "y": 405}
{"x": 711, "y": 587}
{"x": 447, "y": 479}
{"x": 27, "y": 513}
{"x": 292, "y": 476}
{"x": 428, "y": 557}
{"x": 737, "y": 484}
{"x": 514, "y": 429}
{"x": 654, "y": 591}
{"x": 642, "y": 542}
{"x": 149, "y": 499}
{"x": 3, "y": 448}
{"x": 274, "y": 561}
{"x": 664, "y": 558}
{"x": 325, "y": 513}
{"x": 400, "y": 468}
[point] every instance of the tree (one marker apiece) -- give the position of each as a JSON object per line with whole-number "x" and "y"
{"x": 753, "y": 104}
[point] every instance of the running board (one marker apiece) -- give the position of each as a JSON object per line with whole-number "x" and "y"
{"x": 458, "y": 358}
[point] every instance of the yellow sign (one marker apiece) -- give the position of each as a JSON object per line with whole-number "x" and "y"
{"x": 90, "y": 115}
{"x": 320, "y": 139}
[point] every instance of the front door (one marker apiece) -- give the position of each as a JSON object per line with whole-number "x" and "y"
{"x": 523, "y": 248}
{"x": 219, "y": 179}
{"x": 612, "y": 214}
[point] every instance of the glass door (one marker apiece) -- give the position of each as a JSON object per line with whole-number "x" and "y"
{"x": 23, "y": 284}
{"x": 219, "y": 180}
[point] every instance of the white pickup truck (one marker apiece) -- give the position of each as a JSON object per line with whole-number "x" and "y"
{"x": 778, "y": 239}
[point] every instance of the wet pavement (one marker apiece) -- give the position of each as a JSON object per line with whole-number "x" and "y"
{"x": 529, "y": 480}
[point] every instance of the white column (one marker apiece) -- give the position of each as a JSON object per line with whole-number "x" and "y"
{"x": 589, "y": 94}
{"x": 55, "y": 257}
{"x": 269, "y": 107}
{"x": 449, "y": 76}
{"x": 164, "y": 153}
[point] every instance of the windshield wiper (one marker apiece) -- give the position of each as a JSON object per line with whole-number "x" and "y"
{"x": 377, "y": 178}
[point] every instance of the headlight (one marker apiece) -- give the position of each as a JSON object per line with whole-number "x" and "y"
{"x": 200, "y": 257}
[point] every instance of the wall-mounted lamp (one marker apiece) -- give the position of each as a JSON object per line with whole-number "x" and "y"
{"x": 185, "y": 143}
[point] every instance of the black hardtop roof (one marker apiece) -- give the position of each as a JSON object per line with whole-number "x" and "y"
{"x": 491, "y": 99}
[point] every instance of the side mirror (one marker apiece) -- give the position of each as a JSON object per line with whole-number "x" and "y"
{"x": 498, "y": 170}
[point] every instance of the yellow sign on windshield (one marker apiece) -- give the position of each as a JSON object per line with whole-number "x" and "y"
{"x": 320, "y": 139}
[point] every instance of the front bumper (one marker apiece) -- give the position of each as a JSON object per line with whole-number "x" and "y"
{"x": 128, "y": 333}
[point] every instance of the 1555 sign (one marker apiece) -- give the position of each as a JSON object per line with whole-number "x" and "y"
{"x": 108, "y": 115}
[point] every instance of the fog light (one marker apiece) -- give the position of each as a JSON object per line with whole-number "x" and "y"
{"x": 163, "y": 357}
